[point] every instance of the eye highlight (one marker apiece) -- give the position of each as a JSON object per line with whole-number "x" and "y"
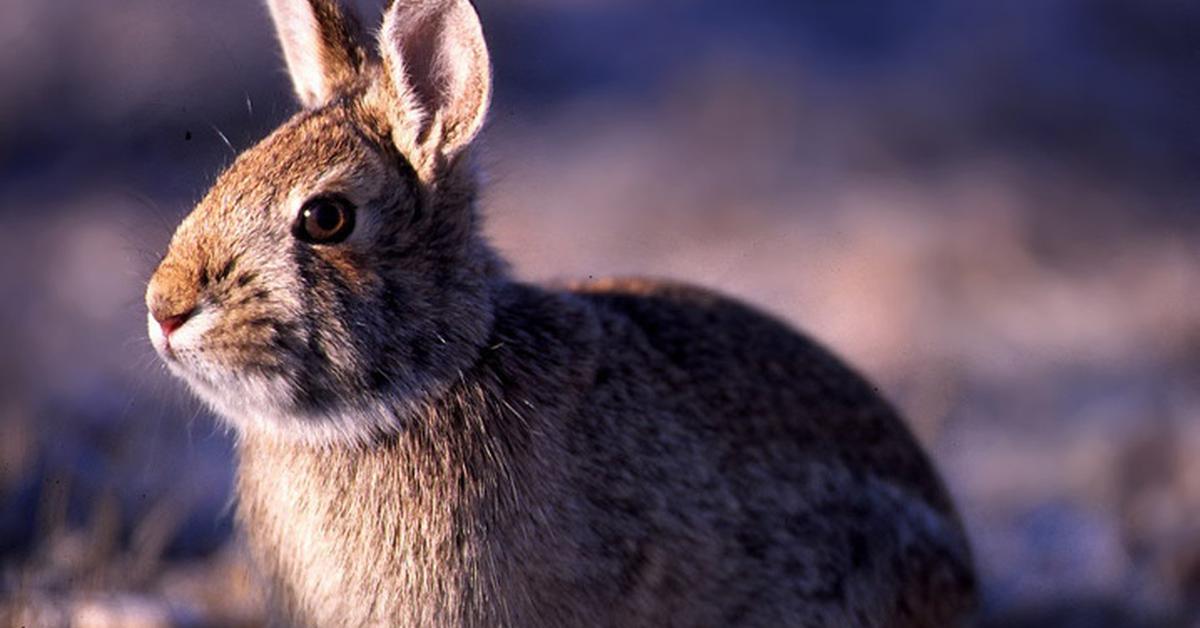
{"x": 324, "y": 220}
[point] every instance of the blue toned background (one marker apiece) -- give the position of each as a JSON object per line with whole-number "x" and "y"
{"x": 992, "y": 208}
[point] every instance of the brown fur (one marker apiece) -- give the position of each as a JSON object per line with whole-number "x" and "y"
{"x": 425, "y": 441}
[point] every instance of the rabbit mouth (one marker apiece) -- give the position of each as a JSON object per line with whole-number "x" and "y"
{"x": 183, "y": 339}
{"x": 257, "y": 372}
{"x": 217, "y": 367}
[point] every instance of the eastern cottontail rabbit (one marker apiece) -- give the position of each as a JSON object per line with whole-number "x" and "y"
{"x": 423, "y": 440}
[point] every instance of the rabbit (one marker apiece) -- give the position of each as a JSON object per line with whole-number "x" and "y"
{"x": 424, "y": 440}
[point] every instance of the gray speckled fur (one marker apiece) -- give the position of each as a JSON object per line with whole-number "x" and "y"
{"x": 425, "y": 441}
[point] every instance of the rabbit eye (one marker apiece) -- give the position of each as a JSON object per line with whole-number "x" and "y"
{"x": 324, "y": 220}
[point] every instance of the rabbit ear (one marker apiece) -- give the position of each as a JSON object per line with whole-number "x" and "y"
{"x": 440, "y": 82}
{"x": 320, "y": 43}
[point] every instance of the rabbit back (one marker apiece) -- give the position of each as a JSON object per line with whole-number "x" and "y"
{"x": 747, "y": 477}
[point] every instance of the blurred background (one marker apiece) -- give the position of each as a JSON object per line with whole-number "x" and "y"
{"x": 991, "y": 208}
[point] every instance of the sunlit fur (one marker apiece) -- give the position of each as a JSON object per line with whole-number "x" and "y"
{"x": 425, "y": 441}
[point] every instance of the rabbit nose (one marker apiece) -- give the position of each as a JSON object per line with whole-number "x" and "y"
{"x": 170, "y": 322}
{"x": 172, "y": 296}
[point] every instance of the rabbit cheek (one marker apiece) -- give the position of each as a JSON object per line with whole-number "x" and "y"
{"x": 237, "y": 365}
{"x": 352, "y": 267}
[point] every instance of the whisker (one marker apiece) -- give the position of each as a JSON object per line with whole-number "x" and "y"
{"x": 232, "y": 150}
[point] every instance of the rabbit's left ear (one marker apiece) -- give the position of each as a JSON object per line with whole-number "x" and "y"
{"x": 321, "y": 44}
{"x": 438, "y": 78}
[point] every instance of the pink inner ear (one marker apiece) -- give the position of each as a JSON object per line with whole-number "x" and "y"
{"x": 438, "y": 63}
{"x": 419, "y": 51}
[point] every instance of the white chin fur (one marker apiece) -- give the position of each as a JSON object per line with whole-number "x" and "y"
{"x": 261, "y": 404}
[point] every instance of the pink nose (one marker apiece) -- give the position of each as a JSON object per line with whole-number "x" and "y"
{"x": 169, "y": 324}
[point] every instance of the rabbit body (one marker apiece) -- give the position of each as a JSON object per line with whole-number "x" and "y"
{"x": 425, "y": 441}
{"x": 628, "y": 454}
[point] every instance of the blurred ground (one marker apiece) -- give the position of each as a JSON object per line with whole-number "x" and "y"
{"x": 990, "y": 208}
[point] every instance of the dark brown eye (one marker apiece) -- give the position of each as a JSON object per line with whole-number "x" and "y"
{"x": 324, "y": 220}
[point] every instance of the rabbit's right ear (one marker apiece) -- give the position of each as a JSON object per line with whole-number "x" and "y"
{"x": 438, "y": 79}
{"x": 321, "y": 45}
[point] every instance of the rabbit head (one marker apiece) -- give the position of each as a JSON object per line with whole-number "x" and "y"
{"x": 335, "y": 273}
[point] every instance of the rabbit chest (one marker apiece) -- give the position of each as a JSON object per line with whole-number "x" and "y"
{"x": 379, "y": 537}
